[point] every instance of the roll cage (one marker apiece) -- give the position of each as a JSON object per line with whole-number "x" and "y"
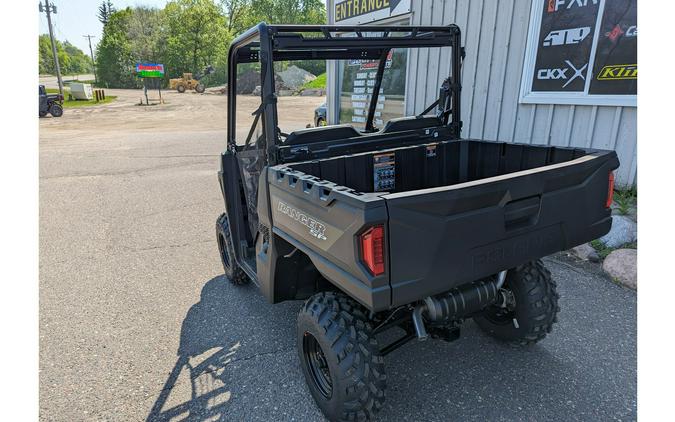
{"x": 266, "y": 44}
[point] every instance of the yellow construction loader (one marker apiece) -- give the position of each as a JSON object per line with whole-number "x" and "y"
{"x": 186, "y": 82}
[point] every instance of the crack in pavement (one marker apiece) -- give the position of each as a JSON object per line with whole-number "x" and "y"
{"x": 566, "y": 265}
{"x": 138, "y": 172}
{"x": 150, "y": 248}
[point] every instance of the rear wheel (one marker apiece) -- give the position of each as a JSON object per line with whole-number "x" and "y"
{"x": 527, "y": 308}
{"x": 340, "y": 358}
{"x": 56, "y": 110}
{"x": 180, "y": 88}
{"x": 225, "y": 246}
{"x": 200, "y": 88}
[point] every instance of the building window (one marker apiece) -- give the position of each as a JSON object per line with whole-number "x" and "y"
{"x": 358, "y": 79}
{"x": 581, "y": 52}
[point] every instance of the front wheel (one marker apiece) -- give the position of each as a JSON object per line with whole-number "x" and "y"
{"x": 56, "y": 110}
{"x": 340, "y": 358}
{"x": 226, "y": 248}
{"x": 200, "y": 88}
{"x": 527, "y": 306}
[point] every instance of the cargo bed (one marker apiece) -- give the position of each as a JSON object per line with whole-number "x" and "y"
{"x": 454, "y": 211}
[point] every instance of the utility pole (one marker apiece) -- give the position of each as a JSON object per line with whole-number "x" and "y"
{"x": 48, "y": 9}
{"x": 89, "y": 37}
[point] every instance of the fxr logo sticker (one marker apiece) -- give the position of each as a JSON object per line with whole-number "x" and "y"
{"x": 566, "y": 36}
{"x": 555, "y": 5}
{"x": 561, "y": 73}
{"x": 316, "y": 228}
{"x": 615, "y": 72}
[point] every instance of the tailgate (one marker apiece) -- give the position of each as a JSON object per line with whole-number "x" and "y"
{"x": 443, "y": 237}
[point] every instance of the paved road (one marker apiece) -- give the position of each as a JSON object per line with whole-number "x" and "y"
{"x": 50, "y": 81}
{"x": 137, "y": 322}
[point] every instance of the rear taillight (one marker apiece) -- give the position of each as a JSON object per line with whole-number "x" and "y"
{"x": 372, "y": 249}
{"x": 610, "y": 190}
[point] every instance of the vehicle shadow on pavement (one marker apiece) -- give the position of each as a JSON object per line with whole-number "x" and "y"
{"x": 199, "y": 387}
{"x": 202, "y": 333}
{"x": 237, "y": 361}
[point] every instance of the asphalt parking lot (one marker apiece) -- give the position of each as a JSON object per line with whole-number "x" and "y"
{"x": 137, "y": 322}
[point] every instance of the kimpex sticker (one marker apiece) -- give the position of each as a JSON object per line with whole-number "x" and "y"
{"x": 316, "y": 228}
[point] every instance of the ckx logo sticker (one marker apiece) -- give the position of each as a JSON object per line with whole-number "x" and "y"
{"x": 562, "y": 73}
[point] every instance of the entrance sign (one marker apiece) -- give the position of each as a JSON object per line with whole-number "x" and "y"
{"x": 581, "y": 52}
{"x": 354, "y": 12}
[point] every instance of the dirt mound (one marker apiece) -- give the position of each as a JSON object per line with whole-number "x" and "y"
{"x": 247, "y": 81}
{"x": 294, "y": 77}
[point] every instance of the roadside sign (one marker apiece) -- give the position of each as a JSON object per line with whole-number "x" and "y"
{"x": 149, "y": 70}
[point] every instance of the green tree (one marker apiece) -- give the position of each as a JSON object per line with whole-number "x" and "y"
{"x": 197, "y": 36}
{"x": 114, "y": 56}
{"x": 147, "y": 34}
{"x": 289, "y": 11}
{"x": 238, "y": 15}
{"x": 78, "y": 60}
{"x": 46, "y": 61}
{"x": 71, "y": 59}
{"x": 292, "y": 12}
{"x": 105, "y": 10}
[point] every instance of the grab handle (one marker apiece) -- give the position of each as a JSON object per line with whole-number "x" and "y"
{"x": 522, "y": 213}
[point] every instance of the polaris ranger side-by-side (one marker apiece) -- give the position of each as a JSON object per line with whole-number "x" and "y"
{"x": 50, "y": 103}
{"x": 404, "y": 226}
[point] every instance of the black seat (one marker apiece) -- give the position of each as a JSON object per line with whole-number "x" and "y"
{"x": 410, "y": 123}
{"x": 321, "y": 134}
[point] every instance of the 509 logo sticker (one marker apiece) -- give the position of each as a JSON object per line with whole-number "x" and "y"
{"x": 316, "y": 228}
{"x": 566, "y": 36}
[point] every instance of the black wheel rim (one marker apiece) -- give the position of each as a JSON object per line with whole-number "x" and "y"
{"x": 223, "y": 251}
{"x": 317, "y": 365}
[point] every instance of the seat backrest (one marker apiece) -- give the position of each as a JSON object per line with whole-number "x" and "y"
{"x": 321, "y": 134}
{"x": 410, "y": 123}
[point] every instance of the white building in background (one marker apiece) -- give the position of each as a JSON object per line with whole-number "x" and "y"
{"x": 555, "y": 72}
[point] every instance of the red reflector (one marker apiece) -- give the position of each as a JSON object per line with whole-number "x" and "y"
{"x": 610, "y": 190}
{"x": 372, "y": 249}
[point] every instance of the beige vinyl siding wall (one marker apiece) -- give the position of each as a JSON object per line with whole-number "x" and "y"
{"x": 494, "y": 33}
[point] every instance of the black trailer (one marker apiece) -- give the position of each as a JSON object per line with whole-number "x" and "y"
{"x": 406, "y": 226}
